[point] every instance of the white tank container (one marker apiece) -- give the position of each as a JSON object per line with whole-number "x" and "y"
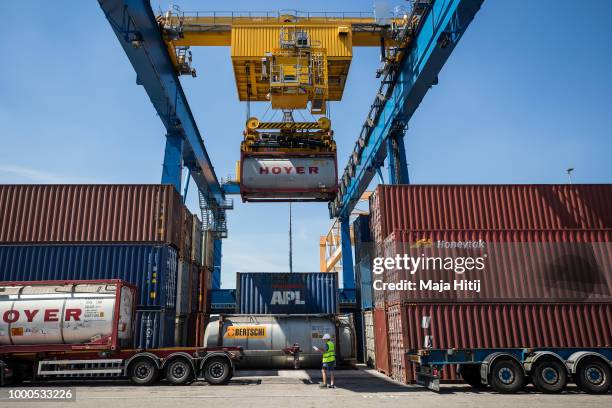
{"x": 64, "y": 313}
{"x": 264, "y": 337}
{"x": 285, "y": 177}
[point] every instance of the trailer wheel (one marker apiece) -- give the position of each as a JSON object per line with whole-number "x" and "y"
{"x": 549, "y": 376}
{"x": 593, "y": 376}
{"x": 217, "y": 370}
{"x": 179, "y": 371}
{"x": 471, "y": 375}
{"x": 507, "y": 376}
{"x": 143, "y": 371}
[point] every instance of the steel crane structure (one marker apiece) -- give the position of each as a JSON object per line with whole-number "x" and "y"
{"x": 414, "y": 48}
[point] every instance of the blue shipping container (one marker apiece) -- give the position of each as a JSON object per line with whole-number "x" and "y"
{"x": 154, "y": 329}
{"x": 152, "y": 268}
{"x": 282, "y": 293}
{"x": 364, "y": 284}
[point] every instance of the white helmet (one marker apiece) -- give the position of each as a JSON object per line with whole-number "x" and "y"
{"x": 326, "y": 336}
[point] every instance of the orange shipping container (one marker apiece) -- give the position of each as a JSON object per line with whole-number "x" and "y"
{"x": 491, "y": 326}
{"x": 90, "y": 213}
{"x": 489, "y": 207}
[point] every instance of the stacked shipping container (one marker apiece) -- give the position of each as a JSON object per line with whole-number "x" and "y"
{"x": 546, "y": 278}
{"x": 137, "y": 233}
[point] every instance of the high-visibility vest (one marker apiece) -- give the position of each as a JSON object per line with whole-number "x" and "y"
{"x": 330, "y": 354}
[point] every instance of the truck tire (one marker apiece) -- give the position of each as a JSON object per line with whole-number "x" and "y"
{"x": 507, "y": 376}
{"x": 217, "y": 370}
{"x": 549, "y": 376}
{"x": 471, "y": 375}
{"x": 593, "y": 376}
{"x": 179, "y": 371}
{"x": 143, "y": 371}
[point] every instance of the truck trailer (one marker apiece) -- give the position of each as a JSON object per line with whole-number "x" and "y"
{"x": 85, "y": 329}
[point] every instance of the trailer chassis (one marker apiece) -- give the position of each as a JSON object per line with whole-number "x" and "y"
{"x": 177, "y": 365}
{"x": 507, "y": 370}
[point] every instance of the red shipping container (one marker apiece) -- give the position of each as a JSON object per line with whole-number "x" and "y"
{"x": 517, "y": 266}
{"x": 195, "y": 331}
{"x": 381, "y": 349}
{"x": 494, "y": 207}
{"x": 204, "y": 290}
{"x": 494, "y": 326}
{"x": 90, "y": 213}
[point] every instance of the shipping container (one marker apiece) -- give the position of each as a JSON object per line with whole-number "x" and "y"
{"x": 493, "y": 207}
{"x": 279, "y": 293}
{"x": 90, "y": 213}
{"x": 154, "y": 329}
{"x": 503, "y": 266}
{"x": 278, "y": 176}
{"x": 381, "y": 341}
{"x": 363, "y": 253}
{"x": 196, "y": 326}
{"x": 196, "y": 241}
{"x": 366, "y": 291}
{"x": 188, "y": 290}
{"x": 370, "y": 344}
{"x": 208, "y": 249}
{"x": 204, "y": 294}
{"x": 494, "y": 325}
{"x": 152, "y": 268}
{"x": 186, "y": 236}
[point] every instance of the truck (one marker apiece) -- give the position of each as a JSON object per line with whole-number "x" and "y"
{"x": 508, "y": 370}
{"x": 85, "y": 329}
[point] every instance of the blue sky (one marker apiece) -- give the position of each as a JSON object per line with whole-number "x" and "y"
{"x": 526, "y": 94}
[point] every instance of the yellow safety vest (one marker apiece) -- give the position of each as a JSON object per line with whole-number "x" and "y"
{"x": 330, "y": 354}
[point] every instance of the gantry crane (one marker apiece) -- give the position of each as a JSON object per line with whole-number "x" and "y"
{"x": 270, "y": 53}
{"x": 294, "y": 61}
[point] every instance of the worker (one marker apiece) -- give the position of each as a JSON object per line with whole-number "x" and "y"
{"x": 329, "y": 361}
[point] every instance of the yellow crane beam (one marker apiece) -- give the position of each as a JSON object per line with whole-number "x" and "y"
{"x": 253, "y": 36}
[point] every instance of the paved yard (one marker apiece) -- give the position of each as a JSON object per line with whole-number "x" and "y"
{"x": 287, "y": 388}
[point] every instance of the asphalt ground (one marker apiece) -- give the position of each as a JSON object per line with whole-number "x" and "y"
{"x": 300, "y": 388}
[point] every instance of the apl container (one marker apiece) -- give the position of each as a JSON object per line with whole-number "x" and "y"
{"x": 280, "y": 293}
{"x": 494, "y": 207}
{"x": 281, "y": 176}
{"x": 265, "y": 338}
{"x": 59, "y": 312}
{"x": 86, "y": 213}
{"x": 152, "y": 268}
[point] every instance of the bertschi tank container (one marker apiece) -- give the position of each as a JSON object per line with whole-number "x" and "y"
{"x": 267, "y": 338}
{"x": 152, "y": 268}
{"x": 77, "y": 312}
{"x": 280, "y": 293}
{"x": 495, "y": 207}
{"x": 88, "y": 213}
{"x": 303, "y": 177}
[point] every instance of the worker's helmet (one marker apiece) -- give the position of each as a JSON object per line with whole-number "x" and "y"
{"x": 326, "y": 336}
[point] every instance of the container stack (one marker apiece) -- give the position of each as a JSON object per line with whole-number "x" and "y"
{"x": 364, "y": 293}
{"x": 542, "y": 255}
{"x": 142, "y": 234}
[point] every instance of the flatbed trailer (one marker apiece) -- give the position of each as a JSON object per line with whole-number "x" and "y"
{"x": 177, "y": 365}
{"x": 507, "y": 370}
